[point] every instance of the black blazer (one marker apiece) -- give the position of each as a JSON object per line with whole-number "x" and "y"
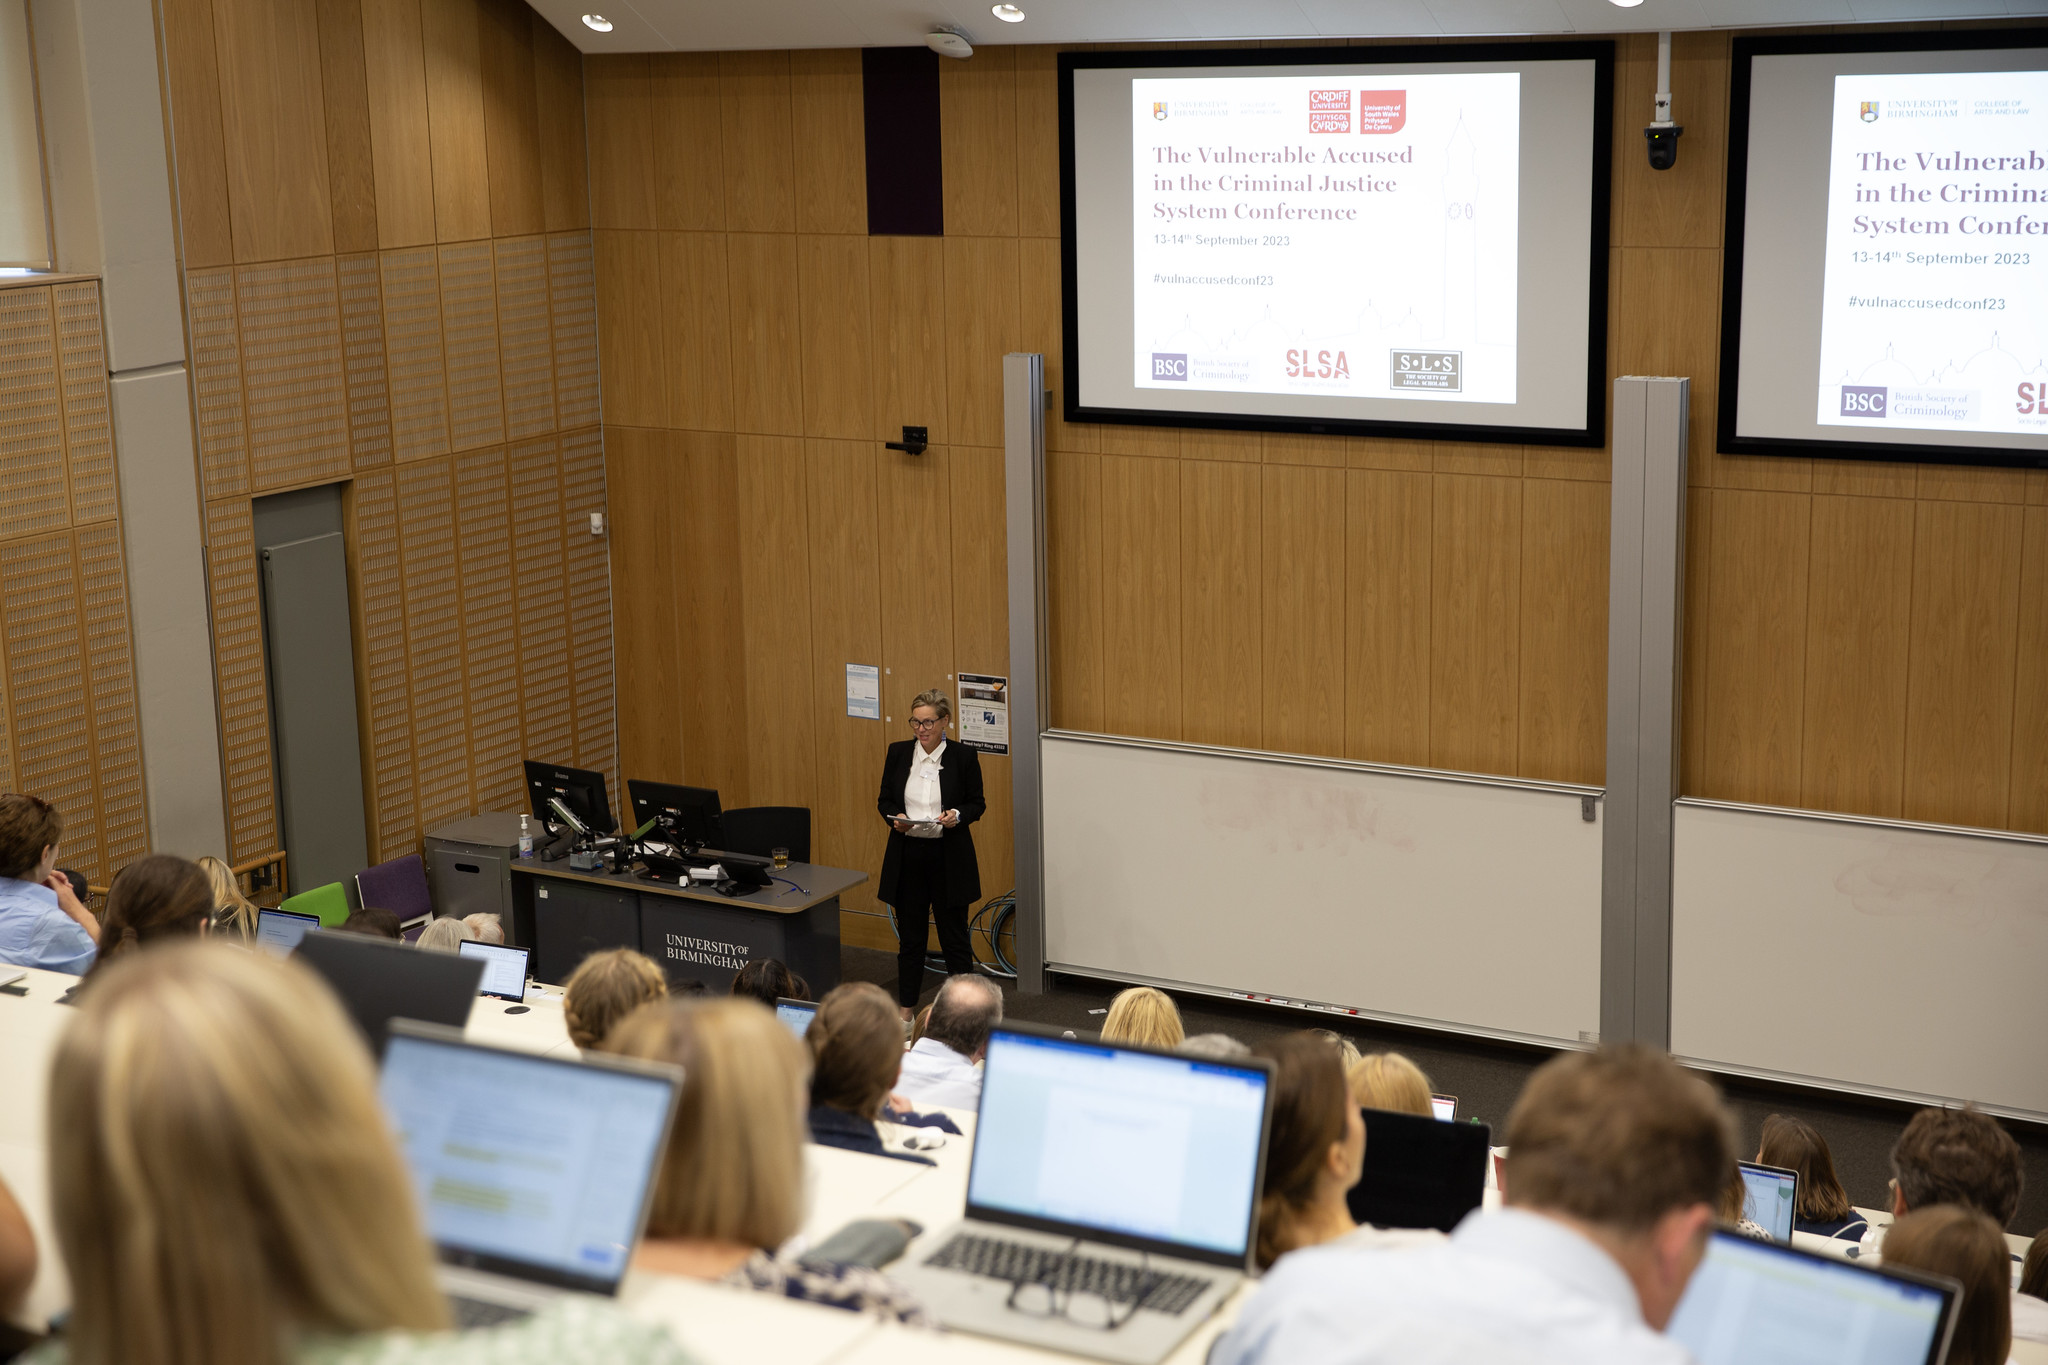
{"x": 959, "y": 789}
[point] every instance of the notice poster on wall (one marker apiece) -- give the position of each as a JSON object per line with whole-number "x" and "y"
{"x": 1934, "y": 311}
{"x": 864, "y": 691}
{"x": 1317, "y": 235}
{"x": 985, "y": 712}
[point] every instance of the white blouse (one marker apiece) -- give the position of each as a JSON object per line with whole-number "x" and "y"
{"x": 921, "y": 793}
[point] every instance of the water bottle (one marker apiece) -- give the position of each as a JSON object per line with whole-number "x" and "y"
{"x": 525, "y": 837}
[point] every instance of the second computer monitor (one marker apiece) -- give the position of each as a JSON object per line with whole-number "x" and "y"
{"x": 688, "y": 815}
{"x": 581, "y": 790}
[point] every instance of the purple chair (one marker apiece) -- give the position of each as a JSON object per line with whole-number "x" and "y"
{"x": 399, "y": 886}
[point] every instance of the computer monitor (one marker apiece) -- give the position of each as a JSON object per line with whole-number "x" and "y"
{"x": 687, "y": 816}
{"x": 796, "y": 1014}
{"x": 581, "y": 790}
{"x": 504, "y": 968}
{"x": 278, "y": 931}
{"x": 379, "y": 980}
{"x": 1444, "y": 1107}
{"x": 1419, "y": 1173}
{"x": 1770, "y": 1198}
{"x": 1150, "y": 1150}
{"x": 540, "y": 1167}
{"x": 1754, "y": 1302}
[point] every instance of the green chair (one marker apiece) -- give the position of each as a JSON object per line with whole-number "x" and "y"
{"x": 329, "y": 902}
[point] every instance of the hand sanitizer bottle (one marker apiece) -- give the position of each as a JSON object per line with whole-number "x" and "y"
{"x": 525, "y": 837}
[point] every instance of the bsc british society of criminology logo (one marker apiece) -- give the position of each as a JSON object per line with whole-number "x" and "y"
{"x": 1870, "y": 111}
{"x": 1159, "y": 110}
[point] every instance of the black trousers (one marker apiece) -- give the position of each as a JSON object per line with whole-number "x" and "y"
{"x": 920, "y": 893}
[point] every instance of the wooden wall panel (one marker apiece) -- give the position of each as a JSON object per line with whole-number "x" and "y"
{"x": 572, "y": 312}
{"x": 417, "y": 363}
{"x": 238, "y": 664}
{"x": 455, "y": 120}
{"x": 401, "y": 151}
{"x": 715, "y": 736}
{"x": 469, "y": 331}
{"x": 1304, "y": 591}
{"x": 1038, "y": 142}
{"x": 2029, "y": 800}
{"x": 490, "y": 633}
{"x": 32, "y": 456}
{"x": 1858, "y": 608}
{"x": 1563, "y": 704}
{"x": 433, "y": 637}
{"x": 915, "y": 497}
{"x": 1142, "y": 587}
{"x": 1475, "y": 596}
{"x": 832, "y": 288}
{"x": 647, "y": 464}
{"x": 110, "y": 679}
{"x": 274, "y": 127}
{"x": 1074, "y": 589}
{"x": 547, "y": 693}
{"x": 981, "y": 585}
{"x": 978, "y": 143}
{"x": 383, "y": 679}
{"x": 41, "y": 630}
{"x": 767, "y": 354}
{"x": 1222, "y": 606}
{"x": 629, "y": 295}
{"x": 696, "y": 313}
{"x": 590, "y": 608}
{"x": 564, "y": 173}
{"x": 200, "y": 166}
{"x": 831, "y": 162}
{"x": 511, "y": 105}
{"x": 294, "y": 388}
{"x": 525, "y": 340}
{"x": 1756, "y": 645}
{"x": 1389, "y": 520}
{"x": 760, "y": 152}
{"x": 775, "y": 577}
{"x": 82, "y": 385}
{"x": 688, "y": 141}
{"x": 351, "y": 165}
{"x": 1959, "y": 692}
{"x": 983, "y": 324}
{"x": 907, "y": 283}
{"x": 618, "y": 97}
{"x": 362, "y": 358}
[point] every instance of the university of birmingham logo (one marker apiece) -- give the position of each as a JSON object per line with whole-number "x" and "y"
{"x": 1870, "y": 111}
{"x": 1159, "y": 110}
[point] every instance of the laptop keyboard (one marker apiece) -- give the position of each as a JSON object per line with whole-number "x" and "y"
{"x": 1014, "y": 1262}
{"x": 474, "y": 1313}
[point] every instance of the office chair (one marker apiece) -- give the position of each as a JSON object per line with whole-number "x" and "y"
{"x": 757, "y": 829}
{"x": 399, "y": 886}
{"x": 329, "y": 902}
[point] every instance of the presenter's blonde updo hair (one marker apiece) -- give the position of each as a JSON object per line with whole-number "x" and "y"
{"x": 1143, "y": 1016}
{"x": 935, "y": 699}
{"x": 227, "y": 1179}
{"x": 1387, "y": 1080}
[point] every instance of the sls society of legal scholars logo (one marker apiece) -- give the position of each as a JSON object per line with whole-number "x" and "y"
{"x": 1870, "y": 111}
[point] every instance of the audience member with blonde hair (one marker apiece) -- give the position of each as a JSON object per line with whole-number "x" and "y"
{"x": 1966, "y": 1246}
{"x": 604, "y": 989}
{"x": 227, "y": 1187}
{"x": 485, "y": 927}
{"x": 43, "y": 923}
{"x": 155, "y": 898}
{"x": 1387, "y": 1080}
{"x": 856, "y": 1043}
{"x": 233, "y": 912}
{"x": 731, "y": 1184}
{"x": 1145, "y": 1017}
{"x": 444, "y": 935}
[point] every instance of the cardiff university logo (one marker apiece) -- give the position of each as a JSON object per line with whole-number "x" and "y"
{"x": 1870, "y": 111}
{"x": 1159, "y": 110}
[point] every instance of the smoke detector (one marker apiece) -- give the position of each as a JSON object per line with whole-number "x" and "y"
{"x": 950, "y": 42}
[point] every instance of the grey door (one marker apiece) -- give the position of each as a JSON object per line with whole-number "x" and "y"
{"x": 311, "y": 653}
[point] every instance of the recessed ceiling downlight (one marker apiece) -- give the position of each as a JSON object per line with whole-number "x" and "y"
{"x": 603, "y": 25}
{"x": 1625, "y": 4}
{"x": 1009, "y": 14}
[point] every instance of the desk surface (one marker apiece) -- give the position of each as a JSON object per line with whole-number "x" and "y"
{"x": 819, "y": 884}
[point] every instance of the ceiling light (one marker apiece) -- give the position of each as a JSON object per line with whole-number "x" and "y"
{"x": 1009, "y": 14}
{"x": 603, "y": 25}
{"x": 1625, "y": 4}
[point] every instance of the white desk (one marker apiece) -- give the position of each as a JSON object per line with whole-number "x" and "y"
{"x": 725, "y": 1326}
{"x": 541, "y": 1029}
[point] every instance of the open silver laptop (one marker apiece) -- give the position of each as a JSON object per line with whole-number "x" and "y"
{"x": 534, "y": 1173}
{"x": 1112, "y": 1200}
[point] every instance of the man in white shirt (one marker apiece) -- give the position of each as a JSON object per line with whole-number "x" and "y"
{"x": 1615, "y": 1162}
{"x": 942, "y": 1067}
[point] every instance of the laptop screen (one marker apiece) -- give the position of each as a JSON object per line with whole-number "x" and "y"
{"x": 1770, "y": 1198}
{"x": 1444, "y": 1107}
{"x": 279, "y": 931}
{"x": 504, "y": 969}
{"x": 1121, "y": 1145}
{"x": 1759, "y": 1303}
{"x": 539, "y": 1167}
{"x": 796, "y": 1014}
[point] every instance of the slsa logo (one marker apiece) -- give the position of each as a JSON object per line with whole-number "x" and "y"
{"x": 2033, "y": 399}
{"x": 1318, "y": 365}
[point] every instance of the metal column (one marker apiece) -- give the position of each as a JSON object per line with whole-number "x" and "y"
{"x": 1024, "y": 502}
{"x": 1645, "y": 630}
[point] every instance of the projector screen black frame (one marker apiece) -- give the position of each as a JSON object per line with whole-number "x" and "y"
{"x": 1599, "y": 51}
{"x": 1744, "y": 54}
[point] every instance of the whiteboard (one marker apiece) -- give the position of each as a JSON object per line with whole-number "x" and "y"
{"x": 1468, "y": 904}
{"x": 1895, "y": 959}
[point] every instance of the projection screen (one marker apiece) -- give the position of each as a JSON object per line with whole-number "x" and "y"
{"x": 1382, "y": 241}
{"x": 1885, "y": 290}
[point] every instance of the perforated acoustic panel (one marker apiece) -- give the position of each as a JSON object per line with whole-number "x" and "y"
{"x": 482, "y": 603}
{"x": 67, "y": 681}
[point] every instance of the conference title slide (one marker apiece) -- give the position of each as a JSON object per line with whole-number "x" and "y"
{"x": 1934, "y": 309}
{"x": 1344, "y": 236}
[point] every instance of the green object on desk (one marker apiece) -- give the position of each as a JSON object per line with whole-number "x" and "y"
{"x": 329, "y": 902}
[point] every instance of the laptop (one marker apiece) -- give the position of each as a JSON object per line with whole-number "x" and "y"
{"x": 278, "y": 931}
{"x": 534, "y": 1173}
{"x": 1419, "y": 1172}
{"x": 1770, "y": 1198}
{"x": 1444, "y": 1107}
{"x": 1112, "y": 1196}
{"x": 379, "y": 980}
{"x": 796, "y": 1014}
{"x": 504, "y": 969}
{"x": 1754, "y": 1302}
